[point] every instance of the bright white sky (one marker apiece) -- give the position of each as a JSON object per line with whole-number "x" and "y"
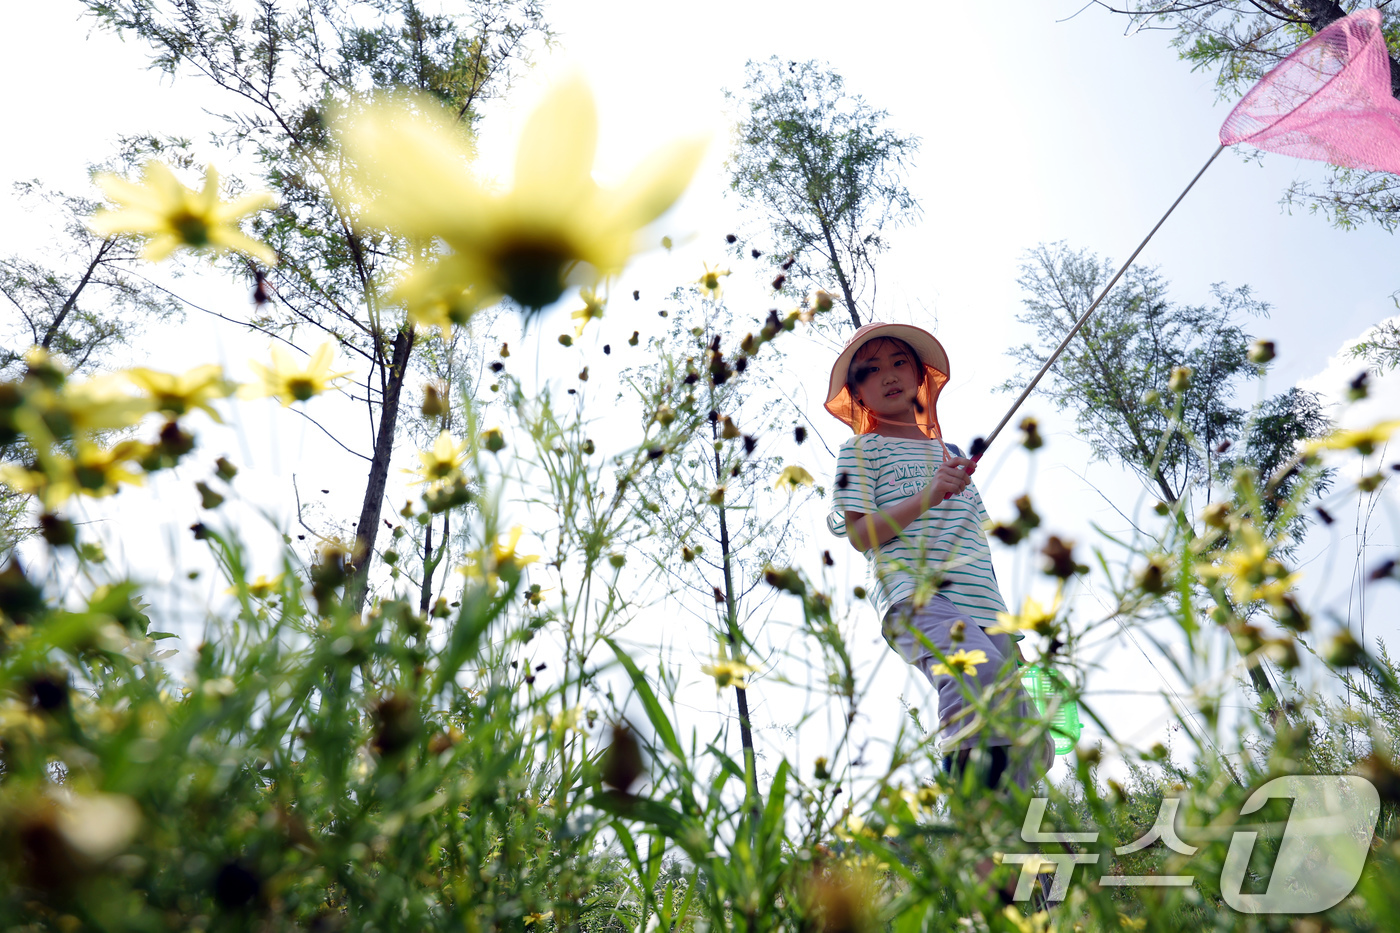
{"x": 1033, "y": 130}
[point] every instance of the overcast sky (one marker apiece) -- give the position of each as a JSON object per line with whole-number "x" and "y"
{"x": 1036, "y": 126}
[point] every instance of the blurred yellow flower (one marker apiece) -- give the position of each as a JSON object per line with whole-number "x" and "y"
{"x": 171, "y": 215}
{"x": 434, "y": 296}
{"x": 729, "y": 673}
{"x": 561, "y": 722}
{"x": 709, "y": 282}
{"x": 533, "y": 919}
{"x": 1033, "y": 617}
{"x": 592, "y": 310}
{"x": 1251, "y": 571}
{"x": 792, "y": 477}
{"x": 854, "y": 826}
{"x": 498, "y": 562}
{"x": 93, "y": 471}
{"x": 409, "y": 173}
{"x": 1038, "y": 922}
{"x": 961, "y": 662}
{"x": 260, "y": 588}
{"x": 1364, "y": 441}
{"x": 98, "y": 826}
{"x": 443, "y": 463}
{"x": 289, "y": 382}
{"x": 80, "y": 409}
{"x": 176, "y": 395}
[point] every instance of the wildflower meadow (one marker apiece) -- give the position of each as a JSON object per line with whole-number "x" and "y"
{"x": 475, "y": 709}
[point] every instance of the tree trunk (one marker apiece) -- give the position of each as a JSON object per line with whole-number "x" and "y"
{"x": 368, "y": 529}
{"x": 1323, "y": 13}
{"x": 841, "y": 275}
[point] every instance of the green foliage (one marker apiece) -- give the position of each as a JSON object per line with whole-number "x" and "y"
{"x": 1117, "y": 374}
{"x": 1240, "y": 41}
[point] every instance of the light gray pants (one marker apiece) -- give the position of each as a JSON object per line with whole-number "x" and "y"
{"x": 902, "y": 627}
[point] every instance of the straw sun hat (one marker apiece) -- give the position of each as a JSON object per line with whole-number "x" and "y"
{"x": 935, "y": 374}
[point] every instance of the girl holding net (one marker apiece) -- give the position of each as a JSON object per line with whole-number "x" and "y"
{"x": 906, "y": 499}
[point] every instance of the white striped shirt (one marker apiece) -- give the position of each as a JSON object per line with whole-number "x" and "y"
{"x": 944, "y": 550}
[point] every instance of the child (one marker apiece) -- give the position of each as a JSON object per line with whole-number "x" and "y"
{"x": 907, "y": 500}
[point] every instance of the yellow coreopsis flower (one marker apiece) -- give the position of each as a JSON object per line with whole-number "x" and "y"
{"x": 709, "y": 282}
{"x": 592, "y": 310}
{"x": 729, "y": 672}
{"x": 498, "y": 561}
{"x": 1249, "y": 568}
{"x": 178, "y": 394}
{"x": 93, "y": 471}
{"x": 264, "y": 586}
{"x": 409, "y": 173}
{"x": 1363, "y": 440}
{"x": 792, "y": 477}
{"x": 289, "y": 382}
{"x": 961, "y": 662}
{"x": 443, "y": 463}
{"x": 1034, "y": 617}
{"x": 80, "y": 409}
{"x": 434, "y": 294}
{"x": 171, "y": 215}
{"x": 561, "y": 722}
{"x": 1038, "y": 922}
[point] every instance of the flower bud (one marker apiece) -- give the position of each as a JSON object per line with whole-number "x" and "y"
{"x": 1261, "y": 352}
{"x": 493, "y": 440}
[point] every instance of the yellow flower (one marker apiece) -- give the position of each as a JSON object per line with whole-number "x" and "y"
{"x": 80, "y": 409}
{"x": 173, "y": 216}
{"x": 498, "y": 562}
{"x": 792, "y": 477}
{"x": 289, "y": 382}
{"x": 1249, "y": 568}
{"x": 592, "y": 310}
{"x": 961, "y": 662}
{"x": 263, "y": 587}
{"x": 729, "y": 673}
{"x": 176, "y": 395}
{"x": 1365, "y": 440}
{"x": 1033, "y": 617}
{"x": 533, "y": 919}
{"x": 94, "y": 471}
{"x": 1038, "y": 922}
{"x": 434, "y": 296}
{"x": 561, "y": 722}
{"x": 709, "y": 282}
{"x": 443, "y": 463}
{"x": 409, "y": 172}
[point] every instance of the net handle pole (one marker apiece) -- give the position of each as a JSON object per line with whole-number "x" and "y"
{"x": 1102, "y": 295}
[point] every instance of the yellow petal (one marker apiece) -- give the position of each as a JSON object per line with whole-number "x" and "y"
{"x": 655, "y": 184}
{"x": 557, "y": 148}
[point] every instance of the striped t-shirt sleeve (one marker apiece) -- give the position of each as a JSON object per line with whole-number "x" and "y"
{"x": 857, "y": 470}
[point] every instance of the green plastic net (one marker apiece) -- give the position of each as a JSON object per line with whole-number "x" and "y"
{"x": 1047, "y": 690}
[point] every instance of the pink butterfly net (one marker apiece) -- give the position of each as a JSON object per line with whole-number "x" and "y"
{"x": 1329, "y": 100}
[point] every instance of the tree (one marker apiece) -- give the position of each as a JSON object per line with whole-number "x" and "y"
{"x": 825, "y": 174}
{"x": 1115, "y": 375}
{"x": 281, "y": 71}
{"x": 1241, "y": 40}
{"x": 1151, "y": 384}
